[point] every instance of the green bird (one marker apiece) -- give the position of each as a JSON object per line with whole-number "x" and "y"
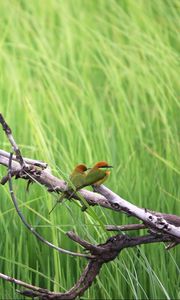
{"x": 77, "y": 178}
{"x": 98, "y": 173}
{"x": 96, "y": 176}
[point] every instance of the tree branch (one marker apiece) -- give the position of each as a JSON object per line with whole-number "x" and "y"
{"x": 57, "y": 185}
{"x": 29, "y": 227}
{"x": 162, "y": 227}
{"x": 103, "y": 253}
{"x": 156, "y": 222}
{"x": 125, "y": 227}
{"x": 29, "y": 161}
{"x": 15, "y": 147}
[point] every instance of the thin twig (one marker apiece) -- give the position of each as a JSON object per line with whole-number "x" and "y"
{"x": 29, "y": 227}
{"x": 15, "y": 147}
{"x": 88, "y": 246}
{"x": 19, "y": 282}
{"x": 171, "y": 245}
{"x": 125, "y": 227}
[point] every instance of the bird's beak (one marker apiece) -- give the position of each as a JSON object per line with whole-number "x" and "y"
{"x": 89, "y": 168}
{"x": 106, "y": 167}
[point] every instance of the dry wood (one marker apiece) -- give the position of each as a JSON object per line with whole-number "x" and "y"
{"x": 162, "y": 227}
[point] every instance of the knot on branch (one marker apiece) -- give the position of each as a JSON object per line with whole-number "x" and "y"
{"x": 110, "y": 250}
{"x": 162, "y": 223}
{"x": 103, "y": 252}
{"x": 115, "y": 205}
{"x": 26, "y": 172}
{"x": 29, "y": 171}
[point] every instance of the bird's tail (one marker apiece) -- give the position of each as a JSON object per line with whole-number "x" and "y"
{"x": 59, "y": 200}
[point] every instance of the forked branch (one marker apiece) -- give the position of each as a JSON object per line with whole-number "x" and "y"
{"x": 26, "y": 171}
{"x": 162, "y": 227}
{"x": 29, "y": 227}
{"x": 103, "y": 253}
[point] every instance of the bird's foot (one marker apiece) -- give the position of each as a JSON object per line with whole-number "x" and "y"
{"x": 83, "y": 207}
{"x": 54, "y": 189}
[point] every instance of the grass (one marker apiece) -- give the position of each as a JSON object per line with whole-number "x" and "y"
{"x": 83, "y": 81}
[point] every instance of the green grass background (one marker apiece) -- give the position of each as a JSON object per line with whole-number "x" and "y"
{"x": 83, "y": 81}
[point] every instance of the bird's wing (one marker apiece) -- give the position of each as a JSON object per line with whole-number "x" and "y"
{"x": 94, "y": 176}
{"x": 78, "y": 180}
{"x": 101, "y": 181}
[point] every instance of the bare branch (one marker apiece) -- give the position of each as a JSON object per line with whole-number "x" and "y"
{"x": 125, "y": 227}
{"x": 171, "y": 219}
{"x": 19, "y": 282}
{"x": 104, "y": 253}
{"x": 29, "y": 227}
{"x": 162, "y": 227}
{"x": 55, "y": 184}
{"x": 8, "y": 132}
{"x": 28, "y": 161}
{"x": 85, "y": 244}
{"x": 157, "y": 222}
